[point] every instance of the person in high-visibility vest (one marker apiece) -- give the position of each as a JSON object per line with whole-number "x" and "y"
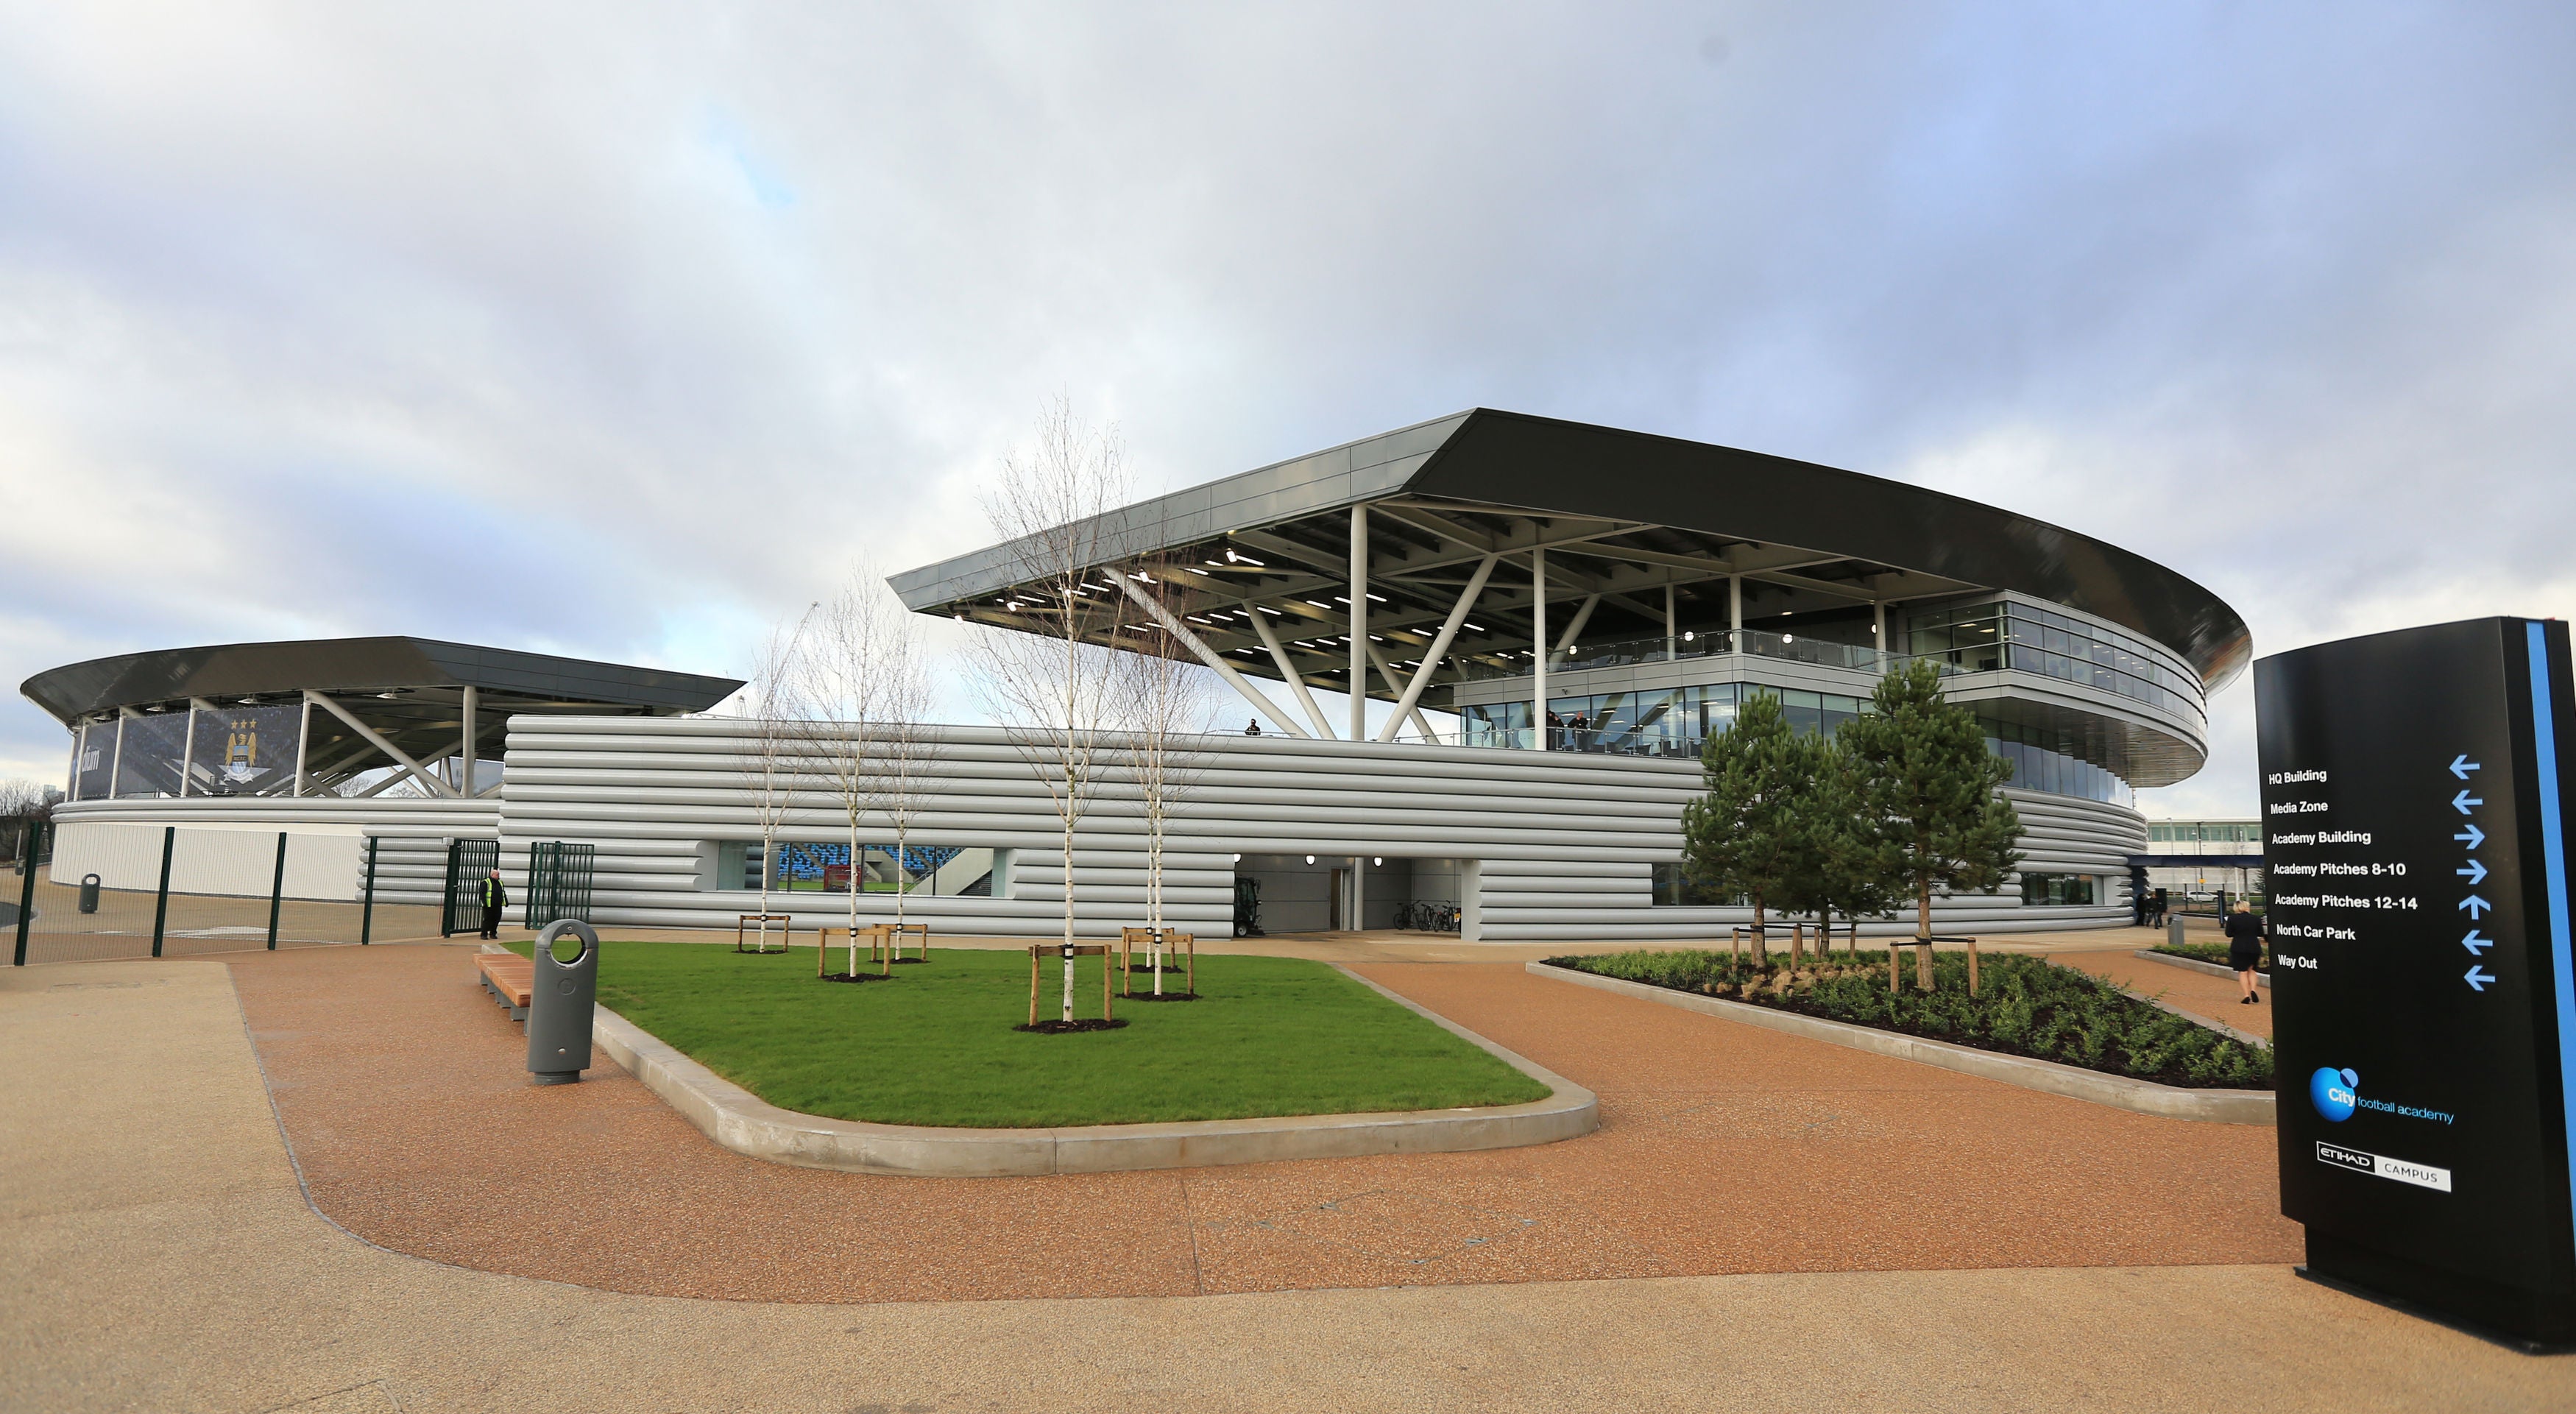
{"x": 495, "y": 898}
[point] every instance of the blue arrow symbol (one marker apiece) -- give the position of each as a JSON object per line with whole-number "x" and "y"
{"x": 2477, "y": 873}
{"x": 2464, "y": 800}
{"x": 2476, "y": 905}
{"x": 2461, "y": 766}
{"x": 2473, "y": 835}
{"x": 2478, "y": 977}
{"x": 2476, "y": 944}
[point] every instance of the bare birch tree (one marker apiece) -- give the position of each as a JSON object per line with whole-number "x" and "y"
{"x": 906, "y": 748}
{"x": 777, "y": 735}
{"x": 1167, "y": 702}
{"x": 844, "y": 673}
{"x": 1053, "y": 687}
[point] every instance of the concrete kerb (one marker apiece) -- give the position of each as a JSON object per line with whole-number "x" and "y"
{"x": 2048, "y": 1077}
{"x": 743, "y": 1122}
{"x": 2261, "y": 979}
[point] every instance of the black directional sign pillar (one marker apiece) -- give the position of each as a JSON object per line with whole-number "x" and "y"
{"x": 2425, "y": 1003}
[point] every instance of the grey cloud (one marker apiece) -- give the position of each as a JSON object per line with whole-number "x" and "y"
{"x": 618, "y": 330}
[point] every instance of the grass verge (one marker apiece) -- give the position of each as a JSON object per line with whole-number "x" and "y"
{"x": 2208, "y": 952}
{"x": 2025, "y": 1007}
{"x": 935, "y": 1045}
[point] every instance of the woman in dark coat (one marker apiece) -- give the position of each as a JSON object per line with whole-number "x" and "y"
{"x": 2245, "y": 948}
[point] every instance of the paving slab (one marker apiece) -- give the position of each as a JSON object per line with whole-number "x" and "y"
{"x": 157, "y": 1254}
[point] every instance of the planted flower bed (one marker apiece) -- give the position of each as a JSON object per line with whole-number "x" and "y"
{"x": 2024, "y": 1007}
{"x": 2209, "y": 952}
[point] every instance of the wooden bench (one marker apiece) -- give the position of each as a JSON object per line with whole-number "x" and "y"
{"x": 510, "y": 979}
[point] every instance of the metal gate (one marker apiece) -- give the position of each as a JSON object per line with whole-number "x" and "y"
{"x": 559, "y": 882}
{"x": 468, "y": 863}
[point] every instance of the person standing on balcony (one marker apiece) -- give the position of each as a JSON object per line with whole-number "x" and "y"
{"x": 495, "y": 898}
{"x": 2245, "y": 948}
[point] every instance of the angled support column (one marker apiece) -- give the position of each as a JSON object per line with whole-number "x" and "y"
{"x": 188, "y": 756}
{"x": 1735, "y": 613}
{"x": 1439, "y": 649}
{"x": 422, "y": 773}
{"x": 1574, "y": 628}
{"x": 1288, "y": 671}
{"x": 1397, "y": 684}
{"x": 303, "y": 742}
{"x": 1171, "y": 622}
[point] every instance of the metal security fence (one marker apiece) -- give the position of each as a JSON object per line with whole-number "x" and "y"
{"x": 559, "y": 881}
{"x": 94, "y": 891}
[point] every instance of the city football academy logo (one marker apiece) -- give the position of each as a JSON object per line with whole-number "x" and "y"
{"x": 2335, "y": 1093}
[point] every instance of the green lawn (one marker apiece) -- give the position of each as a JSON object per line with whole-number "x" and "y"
{"x": 1270, "y": 1036}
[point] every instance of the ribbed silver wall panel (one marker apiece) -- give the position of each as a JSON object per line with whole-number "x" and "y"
{"x": 1565, "y": 841}
{"x": 411, "y": 863}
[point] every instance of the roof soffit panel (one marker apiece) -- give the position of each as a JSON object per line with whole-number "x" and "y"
{"x": 1550, "y": 467}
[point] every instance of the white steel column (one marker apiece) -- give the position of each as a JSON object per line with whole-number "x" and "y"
{"x": 1288, "y": 671}
{"x": 1538, "y": 646}
{"x": 468, "y": 787}
{"x": 188, "y": 753}
{"x": 303, "y": 740}
{"x": 1400, "y": 685}
{"x": 1359, "y": 893}
{"x": 1878, "y": 631}
{"x": 1672, "y": 648}
{"x": 116, "y": 763}
{"x": 1439, "y": 647}
{"x": 1574, "y": 627}
{"x": 1172, "y": 624}
{"x": 1359, "y": 623}
{"x": 1735, "y": 613}
{"x": 80, "y": 759}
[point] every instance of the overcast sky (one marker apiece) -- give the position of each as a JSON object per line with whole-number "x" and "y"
{"x": 620, "y": 330}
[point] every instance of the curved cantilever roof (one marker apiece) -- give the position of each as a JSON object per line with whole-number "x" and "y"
{"x": 1656, "y": 501}
{"x": 409, "y": 666}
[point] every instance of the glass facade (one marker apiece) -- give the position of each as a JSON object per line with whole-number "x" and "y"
{"x": 1674, "y": 887}
{"x": 148, "y": 763}
{"x": 2205, "y": 832}
{"x": 2024, "y": 638}
{"x": 2059, "y": 890}
{"x": 826, "y": 867}
{"x": 1661, "y": 722}
{"x": 2042, "y": 762}
{"x": 1675, "y": 721}
{"x": 247, "y": 750}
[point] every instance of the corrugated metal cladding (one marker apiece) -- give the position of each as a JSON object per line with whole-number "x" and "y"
{"x": 1553, "y": 847}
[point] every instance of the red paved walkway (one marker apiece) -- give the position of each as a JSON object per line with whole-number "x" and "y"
{"x": 1724, "y": 1148}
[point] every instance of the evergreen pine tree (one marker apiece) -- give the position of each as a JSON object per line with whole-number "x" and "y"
{"x": 1928, "y": 793}
{"x": 1749, "y": 835}
{"x": 1855, "y": 873}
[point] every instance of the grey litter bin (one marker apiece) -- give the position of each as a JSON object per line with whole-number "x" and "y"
{"x": 89, "y": 893}
{"x": 559, "y": 1005}
{"x": 2173, "y": 930}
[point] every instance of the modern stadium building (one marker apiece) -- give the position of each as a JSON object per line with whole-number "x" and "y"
{"x": 1583, "y": 606}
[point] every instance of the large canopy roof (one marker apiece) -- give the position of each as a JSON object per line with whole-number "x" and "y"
{"x": 390, "y": 669}
{"x": 1621, "y": 515}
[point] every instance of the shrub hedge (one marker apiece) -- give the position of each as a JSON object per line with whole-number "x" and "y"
{"x": 2208, "y": 952}
{"x": 2025, "y": 1007}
